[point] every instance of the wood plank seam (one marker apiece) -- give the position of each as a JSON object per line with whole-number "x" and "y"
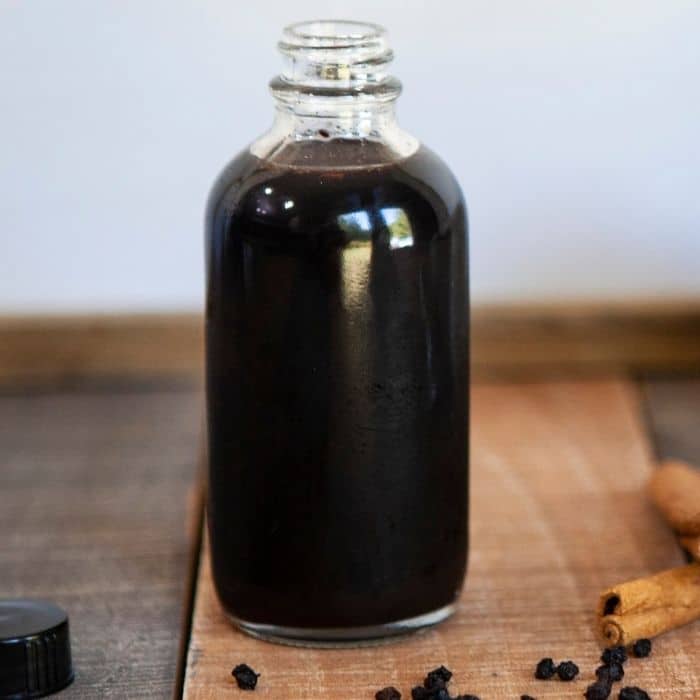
{"x": 511, "y": 341}
{"x": 195, "y": 521}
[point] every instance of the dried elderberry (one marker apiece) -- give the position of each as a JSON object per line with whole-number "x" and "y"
{"x": 246, "y": 678}
{"x": 612, "y": 672}
{"x": 614, "y": 655}
{"x": 545, "y": 669}
{"x": 600, "y": 690}
{"x": 567, "y": 670}
{"x": 642, "y": 648}
{"x": 438, "y": 678}
{"x": 632, "y": 693}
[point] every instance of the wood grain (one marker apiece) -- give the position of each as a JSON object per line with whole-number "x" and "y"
{"x": 558, "y": 514}
{"x": 95, "y": 492}
{"x": 509, "y": 341}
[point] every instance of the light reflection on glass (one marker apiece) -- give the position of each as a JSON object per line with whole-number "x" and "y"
{"x": 356, "y": 262}
{"x": 355, "y": 222}
{"x": 356, "y": 258}
{"x": 400, "y": 231}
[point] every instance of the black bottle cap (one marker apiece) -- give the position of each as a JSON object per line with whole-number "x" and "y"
{"x": 34, "y": 649}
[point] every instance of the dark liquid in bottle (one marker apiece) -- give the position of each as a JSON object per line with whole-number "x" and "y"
{"x": 337, "y": 374}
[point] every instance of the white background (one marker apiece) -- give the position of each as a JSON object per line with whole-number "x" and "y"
{"x": 574, "y": 128}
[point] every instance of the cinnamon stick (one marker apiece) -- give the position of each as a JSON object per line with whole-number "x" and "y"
{"x": 675, "y": 489}
{"x": 646, "y": 607}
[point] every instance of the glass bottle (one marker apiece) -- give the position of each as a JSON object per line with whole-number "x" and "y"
{"x": 337, "y": 327}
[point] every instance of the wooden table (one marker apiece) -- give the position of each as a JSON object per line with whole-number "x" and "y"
{"x": 100, "y": 511}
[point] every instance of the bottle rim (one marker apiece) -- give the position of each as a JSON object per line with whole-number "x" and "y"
{"x": 333, "y": 34}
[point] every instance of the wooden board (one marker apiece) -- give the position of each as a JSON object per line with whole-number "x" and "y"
{"x": 674, "y": 412}
{"x": 95, "y": 493}
{"x": 568, "y": 340}
{"x": 558, "y": 513}
{"x": 60, "y": 350}
{"x": 509, "y": 340}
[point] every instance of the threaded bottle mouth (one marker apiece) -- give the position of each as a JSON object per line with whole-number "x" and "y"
{"x": 335, "y": 58}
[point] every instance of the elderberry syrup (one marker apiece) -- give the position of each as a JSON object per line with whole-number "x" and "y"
{"x": 337, "y": 334}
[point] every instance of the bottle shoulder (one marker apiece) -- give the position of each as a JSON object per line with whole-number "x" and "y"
{"x": 233, "y": 178}
{"x": 432, "y": 171}
{"x": 421, "y": 176}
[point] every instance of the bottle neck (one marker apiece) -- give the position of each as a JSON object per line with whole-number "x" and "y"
{"x": 334, "y": 88}
{"x": 326, "y": 120}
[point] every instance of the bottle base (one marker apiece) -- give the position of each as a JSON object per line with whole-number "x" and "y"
{"x": 342, "y": 637}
